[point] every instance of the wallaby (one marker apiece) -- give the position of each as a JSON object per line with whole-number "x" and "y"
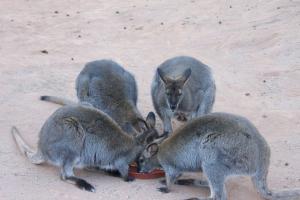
{"x": 183, "y": 88}
{"x": 109, "y": 87}
{"x": 80, "y": 136}
{"x": 220, "y": 145}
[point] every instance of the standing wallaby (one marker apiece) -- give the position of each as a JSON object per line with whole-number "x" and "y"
{"x": 184, "y": 88}
{"x": 220, "y": 145}
{"x": 109, "y": 87}
{"x": 80, "y": 136}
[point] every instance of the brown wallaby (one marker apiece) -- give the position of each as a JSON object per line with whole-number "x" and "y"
{"x": 183, "y": 88}
{"x": 109, "y": 87}
{"x": 80, "y": 136}
{"x": 220, "y": 145}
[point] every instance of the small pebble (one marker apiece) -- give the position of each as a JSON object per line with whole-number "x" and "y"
{"x": 67, "y": 15}
{"x": 56, "y": 12}
{"x": 264, "y": 81}
{"x": 220, "y": 22}
{"x": 72, "y": 58}
{"x": 124, "y": 27}
{"x": 230, "y": 6}
{"x": 117, "y": 12}
{"x": 264, "y": 116}
{"x": 44, "y": 51}
{"x": 79, "y": 36}
{"x": 139, "y": 28}
{"x": 278, "y": 8}
{"x": 161, "y": 23}
{"x": 286, "y": 164}
{"x": 247, "y": 94}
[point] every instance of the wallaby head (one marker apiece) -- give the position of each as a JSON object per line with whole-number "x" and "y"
{"x": 174, "y": 87}
{"x": 148, "y": 160}
{"x": 147, "y": 128}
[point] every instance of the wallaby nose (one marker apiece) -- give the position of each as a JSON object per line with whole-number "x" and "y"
{"x": 173, "y": 107}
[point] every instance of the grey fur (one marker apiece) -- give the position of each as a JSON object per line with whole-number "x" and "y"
{"x": 109, "y": 87}
{"x": 184, "y": 88}
{"x": 81, "y": 136}
{"x": 220, "y": 145}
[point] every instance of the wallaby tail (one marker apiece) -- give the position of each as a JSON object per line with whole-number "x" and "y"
{"x": 35, "y": 157}
{"x": 293, "y": 194}
{"x": 57, "y": 100}
{"x": 259, "y": 180}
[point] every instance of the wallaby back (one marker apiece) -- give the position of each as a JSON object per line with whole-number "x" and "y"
{"x": 107, "y": 86}
{"x": 221, "y": 145}
{"x": 83, "y": 136}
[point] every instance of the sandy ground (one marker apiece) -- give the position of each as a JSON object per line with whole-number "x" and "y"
{"x": 252, "y": 46}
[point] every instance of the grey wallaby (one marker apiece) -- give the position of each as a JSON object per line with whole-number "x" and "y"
{"x": 109, "y": 87}
{"x": 184, "y": 88}
{"x": 220, "y": 145}
{"x": 82, "y": 136}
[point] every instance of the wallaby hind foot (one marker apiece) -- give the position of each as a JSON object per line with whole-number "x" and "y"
{"x": 33, "y": 156}
{"x": 170, "y": 179}
{"x": 188, "y": 182}
{"x": 113, "y": 173}
{"x": 67, "y": 175}
{"x": 81, "y": 183}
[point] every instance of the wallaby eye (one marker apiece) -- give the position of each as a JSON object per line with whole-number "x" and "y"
{"x": 179, "y": 92}
{"x": 168, "y": 92}
{"x": 144, "y": 129}
{"x": 141, "y": 160}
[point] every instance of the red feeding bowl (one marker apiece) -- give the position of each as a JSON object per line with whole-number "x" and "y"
{"x": 156, "y": 173}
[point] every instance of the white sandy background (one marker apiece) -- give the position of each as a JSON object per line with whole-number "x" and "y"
{"x": 252, "y": 46}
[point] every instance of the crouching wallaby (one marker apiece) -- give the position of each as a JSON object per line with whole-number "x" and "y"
{"x": 220, "y": 145}
{"x": 109, "y": 87}
{"x": 80, "y": 136}
{"x": 184, "y": 88}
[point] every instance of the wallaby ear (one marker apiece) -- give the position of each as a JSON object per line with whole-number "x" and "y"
{"x": 151, "y": 119}
{"x": 185, "y": 76}
{"x": 140, "y": 125}
{"x": 163, "y": 76}
{"x": 151, "y": 150}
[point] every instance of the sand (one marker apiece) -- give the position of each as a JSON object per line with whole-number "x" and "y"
{"x": 253, "y": 48}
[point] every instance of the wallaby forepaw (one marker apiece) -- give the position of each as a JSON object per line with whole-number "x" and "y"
{"x": 163, "y": 189}
{"x": 129, "y": 179}
{"x": 181, "y": 118}
{"x": 164, "y": 182}
{"x": 165, "y": 134}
